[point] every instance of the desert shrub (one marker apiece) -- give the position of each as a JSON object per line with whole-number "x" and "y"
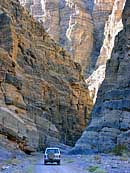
{"x": 12, "y": 162}
{"x": 119, "y": 149}
{"x": 100, "y": 170}
{"x": 92, "y": 168}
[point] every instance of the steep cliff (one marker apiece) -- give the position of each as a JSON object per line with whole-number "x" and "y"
{"x": 107, "y": 26}
{"x": 43, "y": 96}
{"x": 112, "y": 27}
{"x": 110, "y": 121}
{"x": 101, "y": 11}
{"x": 85, "y": 28}
{"x": 69, "y": 23}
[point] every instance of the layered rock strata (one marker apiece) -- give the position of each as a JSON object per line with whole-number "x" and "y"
{"x": 101, "y": 11}
{"x": 86, "y": 28}
{"x": 69, "y": 23}
{"x": 43, "y": 96}
{"x": 104, "y": 40}
{"x": 110, "y": 120}
{"x": 112, "y": 27}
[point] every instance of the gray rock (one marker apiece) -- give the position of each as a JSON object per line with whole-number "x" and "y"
{"x": 110, "y": 118}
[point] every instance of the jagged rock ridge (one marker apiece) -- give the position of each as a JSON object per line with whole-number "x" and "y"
{"x": 110, "y": 120}
{"x": 43, "y": 96}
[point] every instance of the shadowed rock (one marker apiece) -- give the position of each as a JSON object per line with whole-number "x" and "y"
{"x": 110, "y": 118}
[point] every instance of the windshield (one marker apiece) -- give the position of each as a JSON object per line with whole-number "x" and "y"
{"x": 52, "y": 151}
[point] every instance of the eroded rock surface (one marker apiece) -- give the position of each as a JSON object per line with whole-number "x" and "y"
{"x": 110, "y": 121}
{"x": 43, "y": 96}
{"x": 69, "y": 23}
{"x": 85, "y": 28}
{"x": 107, "y": 23}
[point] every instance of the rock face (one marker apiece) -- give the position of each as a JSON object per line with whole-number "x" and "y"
{"x": 112, "y": 27}
{"x": 110, "y": 121}
{"x": 101, "y": 11}
{"x": 43, "y": 96}
{"x": 107, "y": 22}
{"x": 85, "y": 28}
{"x": 74, "y": 24}
{"x": 69, "y": 23}
{"x": 76, "y": 33}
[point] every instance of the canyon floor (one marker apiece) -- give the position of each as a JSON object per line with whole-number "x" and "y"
{"x": 100, "y": 163}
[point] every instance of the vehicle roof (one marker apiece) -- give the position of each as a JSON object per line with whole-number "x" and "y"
{"x": 52, "y": 148}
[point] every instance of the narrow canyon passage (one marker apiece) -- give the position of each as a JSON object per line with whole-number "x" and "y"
{"x": 47, "y": 48}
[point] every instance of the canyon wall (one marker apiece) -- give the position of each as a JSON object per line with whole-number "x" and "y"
{"x": 85, "y": 28}
{"x": 112, "y": 27}
{"x": 101, "y": 11}
{"x": 105, "y": 32}
{"x": 110, "y": 120}
{"x": 67, "y": 22}
{"x": 43, "y": 96}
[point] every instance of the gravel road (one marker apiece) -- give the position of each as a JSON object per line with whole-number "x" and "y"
{"x": 101, "y": 163}
{"x": 52, "y": 168}
{"x": 82, "y": 164}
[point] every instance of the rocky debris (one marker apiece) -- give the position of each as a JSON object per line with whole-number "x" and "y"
{"x": 19, "y": 165}
{"x": 43, "y": 96}
{"x": 9, "y": 148}
{"x": 101, "y": 163}
{"x": 109, "y": 126}
{"x": 10, "y": 155}
{"x": 78, "y": 164}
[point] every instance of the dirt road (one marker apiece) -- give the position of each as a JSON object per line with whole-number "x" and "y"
{"x": 70, "y": 164}
{"x": 52, "y": 168}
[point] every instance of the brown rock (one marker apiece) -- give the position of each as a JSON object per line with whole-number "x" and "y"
{"x": 86, "y": 28}
{"x": 69, "y": 23}
{"x": 40, "y": 84}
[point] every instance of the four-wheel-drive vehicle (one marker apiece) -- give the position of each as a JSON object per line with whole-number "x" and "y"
{"x": 52, "y": 155}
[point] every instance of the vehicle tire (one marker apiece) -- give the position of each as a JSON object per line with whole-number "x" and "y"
{"x": 58, "y": 163}
{"x": 45, "y": 162}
